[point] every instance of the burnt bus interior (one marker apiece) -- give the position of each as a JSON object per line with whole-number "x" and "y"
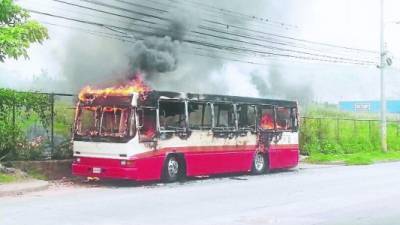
{"x": 168, "y": 113}
{"x": 110, "y": 119}
{"x": 162, "y": 115}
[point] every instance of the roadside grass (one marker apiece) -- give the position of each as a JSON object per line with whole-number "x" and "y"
{"x": 328, "y": 135}
{"x": 360, "y": 158}
{"x": 7, "y": 178}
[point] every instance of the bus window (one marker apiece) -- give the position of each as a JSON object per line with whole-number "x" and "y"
{"x": 172, "y": 115}
{"x": 114, "y": 122}
{"x": 283, "y": 119}
{"x": 224, "y": 116}
{"x": 199, "y": 116}
{"x": 246, "y": 117}
{"x": 147, "y": 123}
{"x": 207, "y": 116}
{"x": 267, "y": 118}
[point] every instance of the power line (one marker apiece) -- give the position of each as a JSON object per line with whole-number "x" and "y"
{"x": 219, "y": 31}
{"x": 102, "y": 11}
{"x": 291, "y": 38}
{"x": 201, "y": 27}
{"x": 123, "y": 39}
{"x": 240, "y": 15}
{"x": 263, "y": 19}
{"x": 212, "y": 45}
{"x": 226, "y": 25}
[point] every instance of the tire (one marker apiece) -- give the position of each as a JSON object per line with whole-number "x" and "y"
{"x": 172, "y": 169}
{"x": 259, "y": 164}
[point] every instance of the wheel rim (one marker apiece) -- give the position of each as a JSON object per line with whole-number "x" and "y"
{"x": 173, "y": 167}
{"x": 259, "y": 162}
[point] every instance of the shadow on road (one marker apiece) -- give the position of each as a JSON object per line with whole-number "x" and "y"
{"x": 90, "y": 183}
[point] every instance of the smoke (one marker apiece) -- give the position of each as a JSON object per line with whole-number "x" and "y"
{"x": 155, "y": 55}
{"x": 159, "y": 53}
{"x": 275, "y": 85}
{"x": 168, "y": 63}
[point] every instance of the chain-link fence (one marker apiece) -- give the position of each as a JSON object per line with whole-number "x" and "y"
{"x": 340, "y": 135}
{"x": 35, "y": 126}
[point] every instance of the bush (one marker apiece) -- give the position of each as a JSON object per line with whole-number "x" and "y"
{"x": 16, "y": 109}
{"x": 327, "y": 130}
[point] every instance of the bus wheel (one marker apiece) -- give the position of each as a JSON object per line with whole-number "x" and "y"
{"x": 259, "y": 164}
{"x": 172, "y": 169}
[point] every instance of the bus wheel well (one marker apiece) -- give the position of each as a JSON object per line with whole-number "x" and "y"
{"x": 182, "y": 162}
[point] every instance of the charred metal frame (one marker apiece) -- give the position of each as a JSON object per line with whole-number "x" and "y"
{"x": 155, "y": 97}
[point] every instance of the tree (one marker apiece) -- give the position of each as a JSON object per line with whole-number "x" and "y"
{"x": 17, "y": 31}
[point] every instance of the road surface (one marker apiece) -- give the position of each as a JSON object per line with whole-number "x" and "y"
{"x": 308, "y": 195}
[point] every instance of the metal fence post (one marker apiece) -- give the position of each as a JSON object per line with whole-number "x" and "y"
{"x": 337, "y": 130}
{"x": 319, "y": 129}
{"x": 52, "y": 124}
{"x": 369, "y": 130}
{"x": 14, "y": 138}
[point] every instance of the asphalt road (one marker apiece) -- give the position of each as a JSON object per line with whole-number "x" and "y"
{"x": 308, "y": 195}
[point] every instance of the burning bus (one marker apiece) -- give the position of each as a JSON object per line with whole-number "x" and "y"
{"x": 135, "y": 133}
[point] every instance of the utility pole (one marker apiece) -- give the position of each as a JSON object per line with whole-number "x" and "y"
{"x": 382, "y": 70}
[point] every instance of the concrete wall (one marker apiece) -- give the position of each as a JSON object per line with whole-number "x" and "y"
{"x": 51, "y": 169}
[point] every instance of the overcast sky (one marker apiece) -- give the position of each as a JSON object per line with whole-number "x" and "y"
{"x": 352, "y": 23}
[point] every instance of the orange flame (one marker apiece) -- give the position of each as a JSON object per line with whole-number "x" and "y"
{"x": 267, "y": 122}
{"x": 136, "y": 85}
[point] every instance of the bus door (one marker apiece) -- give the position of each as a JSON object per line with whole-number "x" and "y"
{"x": 283, "y": 150}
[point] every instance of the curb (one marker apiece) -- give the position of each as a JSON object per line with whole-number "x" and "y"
{"x": 20, "y": 188}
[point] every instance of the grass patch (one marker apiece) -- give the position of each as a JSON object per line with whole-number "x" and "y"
{"x": 358, "y": 159}
{"x": 7, "y": 178}
{"x": 327, "y": 130}
{"x": 361, "y": 158}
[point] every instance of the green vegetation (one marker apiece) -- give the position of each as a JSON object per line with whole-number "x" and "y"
{"x": 361, "y": 158}
{"x": 7, "y": 178}
{"x": 328, "y": 135}
{"x": 17, "y": 110}
{"x": 17, "y": 31}
{"x": 25, "y": 126}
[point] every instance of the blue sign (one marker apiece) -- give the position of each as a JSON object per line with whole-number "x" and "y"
{"x": 392, "y": 106}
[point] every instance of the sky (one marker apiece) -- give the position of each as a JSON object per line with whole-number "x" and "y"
{"x": 352, "y": 23}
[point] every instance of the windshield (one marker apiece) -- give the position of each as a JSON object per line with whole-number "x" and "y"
{"x": 105, "y": 121}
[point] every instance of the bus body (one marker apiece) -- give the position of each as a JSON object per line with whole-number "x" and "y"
{"x": 146, "y": 136}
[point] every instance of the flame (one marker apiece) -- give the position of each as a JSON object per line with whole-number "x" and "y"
{"x": 267, "y": 121}
{"x": 149, "y": 133}
{"x": 137, "y": 85}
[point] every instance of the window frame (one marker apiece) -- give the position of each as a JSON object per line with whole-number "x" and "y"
{"x": 291, "y": 128}
{"x": 140, "y": 111}
{"x": 214, "y": 121}
{"x": 203, "y": 111}
{"x": 259, "y": 115}
{"x": 255, "y": 107}
{"x": 185, "y": 128}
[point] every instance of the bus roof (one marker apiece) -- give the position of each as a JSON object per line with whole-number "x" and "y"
{"x": 153, "y": 96}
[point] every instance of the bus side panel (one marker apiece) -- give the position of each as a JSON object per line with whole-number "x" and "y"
{"x": 283, "y": 156}
{"x": 149, "y": 167}
{"x": 213, "y": 160}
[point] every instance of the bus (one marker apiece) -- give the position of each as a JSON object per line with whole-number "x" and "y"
{"x": 158, "y": 135}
